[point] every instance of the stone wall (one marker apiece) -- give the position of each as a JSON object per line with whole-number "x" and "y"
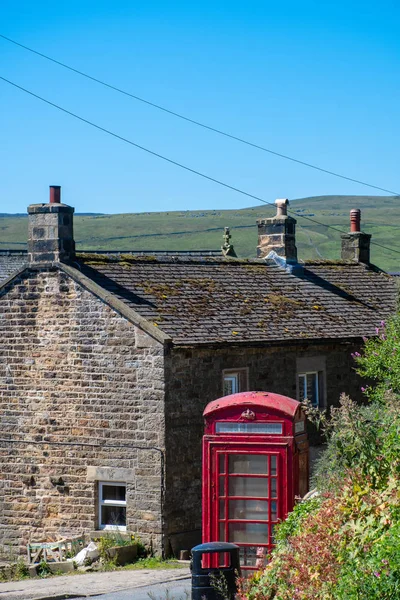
{"x": 73, "y": 372}
{"x": 194, "y": 378}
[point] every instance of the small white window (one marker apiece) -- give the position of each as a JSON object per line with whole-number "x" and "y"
{"x": 231, "y": 384}
{"x": 310, "y": 387}
{"x": 112, "y": 505}
{"x": 234, "y": 381}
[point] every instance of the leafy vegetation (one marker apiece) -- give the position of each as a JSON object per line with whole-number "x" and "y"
{"x": 199, "y": 230}
{"x": 43, "y": 570}
{"x": 117, "y": 539}
{"x": 293, "y": 524}
{"x": 345, "y": 544}
{"x": 112, "y": 539}
{"x": 14, "y": 571}
{"x": 154, "y": 562}
{"x": 381, "y": 360}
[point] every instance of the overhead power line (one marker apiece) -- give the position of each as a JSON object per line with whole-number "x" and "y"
{"x": 198, "y": 123}
{"x": 174, "y": 162}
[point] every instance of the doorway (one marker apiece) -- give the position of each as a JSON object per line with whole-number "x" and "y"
{"x": 246, "y": 500}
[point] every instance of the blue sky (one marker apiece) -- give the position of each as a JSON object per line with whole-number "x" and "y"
{"x": 315, "y": 80}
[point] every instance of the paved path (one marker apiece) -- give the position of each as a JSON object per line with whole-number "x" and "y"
{"x": 88, "y": 584}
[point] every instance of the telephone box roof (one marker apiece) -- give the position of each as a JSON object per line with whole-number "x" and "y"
{"x": 265, "y": 400}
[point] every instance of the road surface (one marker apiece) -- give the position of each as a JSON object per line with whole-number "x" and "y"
{"x": 174, "y": 590}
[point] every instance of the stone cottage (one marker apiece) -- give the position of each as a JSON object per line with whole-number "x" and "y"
{"x": 108, "y": 360}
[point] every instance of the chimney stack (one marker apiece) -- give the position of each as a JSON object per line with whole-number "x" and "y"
{"x": 50, "y": 233}
{"x": 278, "y": 234}
{"x": 356, "y": 244}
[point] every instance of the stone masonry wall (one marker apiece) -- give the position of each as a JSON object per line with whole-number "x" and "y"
{"x": 194, "y": 378}
{"x": 72, "y": 371}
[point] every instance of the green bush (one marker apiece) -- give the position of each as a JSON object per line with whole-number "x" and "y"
{"x": 363, "y": 439}
{"x": 14, "y": 571}
{"x": 380, "y": 360}
{"x": 376, "y": 574}
{"x": 293, "y": 524}
{"x": 43, "y": 569}
{"x": 21, "y": 569}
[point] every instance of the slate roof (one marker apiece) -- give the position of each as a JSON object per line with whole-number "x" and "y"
{"x": 216, "y": 300}
{"x": 11, "y": 261}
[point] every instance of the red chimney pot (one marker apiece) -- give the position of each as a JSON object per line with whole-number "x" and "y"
{"x": 355, "y": 220}
{"x": 55, "y": 194}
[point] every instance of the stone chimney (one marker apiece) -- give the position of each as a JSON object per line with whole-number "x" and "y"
{"x": 355, "y": 245}
{"x": 50, "y": 233}
{"x": 278, "y": 234}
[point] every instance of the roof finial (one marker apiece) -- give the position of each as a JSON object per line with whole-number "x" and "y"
{"x": 227, "y": 248}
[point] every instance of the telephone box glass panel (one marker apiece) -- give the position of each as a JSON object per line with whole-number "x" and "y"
{"x": 247, "y": 503}
{"x": 248, "y": 464}
{"x": 249, "y": 533}
{"x": 248, "y": 486}
{"x": 250, "y": 509}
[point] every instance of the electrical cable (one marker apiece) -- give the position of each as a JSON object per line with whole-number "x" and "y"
{"x": 198, "y": 123}
{"x": 174, "y": 162}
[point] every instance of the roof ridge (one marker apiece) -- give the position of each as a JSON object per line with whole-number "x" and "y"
{"x": 127, "y": 257}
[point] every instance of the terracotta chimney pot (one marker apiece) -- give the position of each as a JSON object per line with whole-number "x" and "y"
{"x": 355, "y": 220}
{"x": 55, "y": 194}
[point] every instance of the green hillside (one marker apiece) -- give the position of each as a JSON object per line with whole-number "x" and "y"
{"x": 193, "y": 230}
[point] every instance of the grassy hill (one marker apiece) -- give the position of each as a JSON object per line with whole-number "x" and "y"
{"x": 191, "y": 230}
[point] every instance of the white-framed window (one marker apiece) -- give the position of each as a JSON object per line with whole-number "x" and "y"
{"x": 231, "y": 384}
{"x": 234, "y": 381}
{"x": 311, "y": 379}
{"x": 112, "y": 505}
{"x": 310, "y": 386}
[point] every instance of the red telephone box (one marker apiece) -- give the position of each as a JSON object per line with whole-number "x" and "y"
{"x": 255, "y": 462}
